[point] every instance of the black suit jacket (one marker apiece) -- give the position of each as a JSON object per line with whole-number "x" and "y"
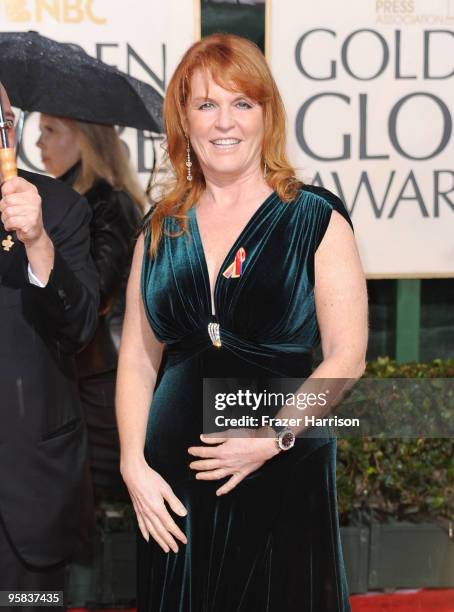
{"x": 42, "y": 438}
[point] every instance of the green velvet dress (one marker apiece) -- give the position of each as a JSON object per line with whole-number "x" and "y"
{"x": 272, "y": 544}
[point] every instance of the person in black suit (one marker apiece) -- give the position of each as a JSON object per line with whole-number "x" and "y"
{"x": 49, "y": 299}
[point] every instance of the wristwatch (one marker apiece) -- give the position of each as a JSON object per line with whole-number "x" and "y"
{"x": 285, "y": 438}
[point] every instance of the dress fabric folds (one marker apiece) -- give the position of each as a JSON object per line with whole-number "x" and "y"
{"x": 273, "y": 543}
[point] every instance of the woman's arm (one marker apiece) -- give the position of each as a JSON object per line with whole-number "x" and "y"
{"x": 138, "y": 364}
{"x": 340, "y": 302}
{"x": 341, "y": 307}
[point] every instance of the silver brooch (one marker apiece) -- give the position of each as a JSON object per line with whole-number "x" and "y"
{"x": 213, "y": 331}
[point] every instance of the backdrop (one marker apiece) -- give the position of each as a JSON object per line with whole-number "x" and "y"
{"x": 368, "y": 87}
{"x": 368, "y": 90}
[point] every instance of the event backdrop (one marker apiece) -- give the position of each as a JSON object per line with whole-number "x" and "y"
{"x": 368, "y": 88}
{"x": 146, "y": 39}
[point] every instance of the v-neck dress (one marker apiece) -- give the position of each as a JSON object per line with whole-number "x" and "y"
{"x": 272, "y": 544}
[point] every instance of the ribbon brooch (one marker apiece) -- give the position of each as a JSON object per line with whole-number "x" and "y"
{"x": 235, "y": 269}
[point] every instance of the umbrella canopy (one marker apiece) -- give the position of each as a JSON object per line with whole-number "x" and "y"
{"x": 55, "y": 78}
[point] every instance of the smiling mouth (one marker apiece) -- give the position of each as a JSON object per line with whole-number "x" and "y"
{"x": 225, "y": 143}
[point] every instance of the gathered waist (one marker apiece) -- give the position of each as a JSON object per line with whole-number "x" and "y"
{"x": 218, "y": 340}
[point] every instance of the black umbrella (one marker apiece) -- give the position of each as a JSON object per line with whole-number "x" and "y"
{"x": 55, "y": 78}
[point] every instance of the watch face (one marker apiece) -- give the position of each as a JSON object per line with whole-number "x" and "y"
{"x": 287, "y": 440}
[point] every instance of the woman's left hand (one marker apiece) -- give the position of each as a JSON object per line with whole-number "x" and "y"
{"x": 233, "y": 456}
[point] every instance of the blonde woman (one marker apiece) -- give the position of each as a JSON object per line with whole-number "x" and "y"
{"x": 91, "y": 158}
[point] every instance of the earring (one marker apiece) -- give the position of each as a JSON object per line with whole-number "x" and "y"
{"x": 265, "y": 170}
{"x": 188, "y": 160}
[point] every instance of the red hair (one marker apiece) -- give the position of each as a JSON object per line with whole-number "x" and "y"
{"x": 238, "y": 65}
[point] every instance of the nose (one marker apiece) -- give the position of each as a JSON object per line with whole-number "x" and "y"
{"x": 224, "y": 119}
{"x": 39, "y": 142}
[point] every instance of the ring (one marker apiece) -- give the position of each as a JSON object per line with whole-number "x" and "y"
{"x": 9, "y": 123}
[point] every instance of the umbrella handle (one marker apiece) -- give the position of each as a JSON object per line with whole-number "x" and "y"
{"x": 8, "y": 168}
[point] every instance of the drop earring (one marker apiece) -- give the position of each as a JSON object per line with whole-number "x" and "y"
{"x": 188, "y": 160}
{"x": 265, "y": 170}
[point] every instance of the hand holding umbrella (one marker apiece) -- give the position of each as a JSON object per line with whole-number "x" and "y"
{"x": 20, "y": 205}
{"x": 21, "y": 211}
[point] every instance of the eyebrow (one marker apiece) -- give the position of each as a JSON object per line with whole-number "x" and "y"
{"x": 204, "y": 99}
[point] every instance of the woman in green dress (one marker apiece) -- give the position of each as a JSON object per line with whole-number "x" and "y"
{"x": 240, "y": 271}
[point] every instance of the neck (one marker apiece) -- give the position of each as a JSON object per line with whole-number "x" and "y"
{"x": 223, "y": 191}
{"x": 70, "y": 175}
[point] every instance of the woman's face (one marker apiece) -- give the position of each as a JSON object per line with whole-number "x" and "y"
{"x": 58, "y": 143}
{"x": 225, "y": 129}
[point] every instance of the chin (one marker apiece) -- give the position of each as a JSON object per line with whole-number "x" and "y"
{"x": 228, "y": 168}
{"x": 52, "y": 171}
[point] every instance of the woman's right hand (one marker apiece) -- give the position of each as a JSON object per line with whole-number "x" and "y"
{"x": 148, "y": 491}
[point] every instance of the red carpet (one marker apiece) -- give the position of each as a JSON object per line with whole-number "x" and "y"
{"x": 424, "y": 600}
{"x": 403, "y": 601}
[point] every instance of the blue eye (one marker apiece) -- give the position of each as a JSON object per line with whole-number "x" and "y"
{"x": 244, "y": 104}
{"x": 202, "y": 107}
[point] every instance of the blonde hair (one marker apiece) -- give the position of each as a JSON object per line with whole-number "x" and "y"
{"x": 236, "y": 64}
{"x": 103, "y": 156}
